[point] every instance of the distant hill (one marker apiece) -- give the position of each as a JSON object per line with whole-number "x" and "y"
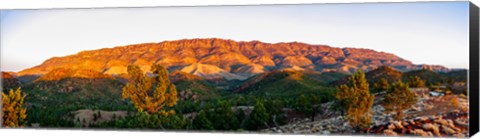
{"x": 328, "y": 77}
{"x": 189, "y": 82}
{"x": 431, "y": 76}
{"x": 214, "y": 58}
{"x": 77, "y": 80}
{"x": 9, "y": 81}
{"x": 285, "y": 83}
{"x": 393, "y": 75}
{"x": 61, "y": 73}
{"x": 383, "y": 72}
{"x": 458, "y": 75}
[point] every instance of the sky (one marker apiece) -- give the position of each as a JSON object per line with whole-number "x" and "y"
{"x": 424, "y": 33}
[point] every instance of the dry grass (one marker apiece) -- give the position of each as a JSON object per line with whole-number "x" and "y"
{"x": 87, "y": 116}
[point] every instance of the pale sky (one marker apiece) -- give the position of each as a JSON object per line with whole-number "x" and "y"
{"x": 424, "y": 33}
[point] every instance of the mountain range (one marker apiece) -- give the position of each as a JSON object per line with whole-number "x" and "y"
{"x": 214, "y": 58}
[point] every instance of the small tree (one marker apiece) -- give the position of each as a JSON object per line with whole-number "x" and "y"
{"x": 201, "y": 122}
{"x": 381, "y": 85}
{"x": 416, "y": 82}
{"x": 258, "y": 117}
{"x": 274, "y": 109}
{"x": 13, "y": 110}
{"x": 150, "y": 94}
{"x": 95, "y": 116}
{"x": 309, "y": 106}
{"x": 224, "y": 117}
{"x": 398, "y": 98}
{"x": 240, "y": 116}
{"x": 357, "y": 100}
{"x": 78, "y": 124}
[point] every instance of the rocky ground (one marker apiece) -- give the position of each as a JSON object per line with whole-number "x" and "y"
{"x": 431, "y": 116}
{"x": 451, "y": 124}
{"x": 330, "y": 122}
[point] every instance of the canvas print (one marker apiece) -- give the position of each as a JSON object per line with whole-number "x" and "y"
{"x": 380, "y": 69}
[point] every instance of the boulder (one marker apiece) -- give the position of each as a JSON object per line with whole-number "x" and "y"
{"x": 398, "y": 124}
{"x": 432, "y": 127}
{"x": 326, "y": 132}
{"x": 420, "y": 132}
{"x": 389, "y": 132}
{"x": 391, "y": 127}
{"x": 448, "y": 130}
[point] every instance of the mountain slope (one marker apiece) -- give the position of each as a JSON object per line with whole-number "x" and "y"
{"x": 232, "y": 60}
{"x": 435, "y": 77}
{"x": 286, "y": 83}
{"x": 8, "y": 81}
{"x": 393, "y": 75}
{"x": 383, "y": 72}
{"x": 87, "y": 82}
{"x": 188, "y": 82}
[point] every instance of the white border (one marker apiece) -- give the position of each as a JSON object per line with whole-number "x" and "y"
{"x": 29, "y": 4}
{"x": 86, "y": 134}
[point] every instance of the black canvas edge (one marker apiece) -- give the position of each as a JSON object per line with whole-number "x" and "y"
{"x": 473, "y": 74}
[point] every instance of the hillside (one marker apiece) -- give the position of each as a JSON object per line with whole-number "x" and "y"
{"x": 59, "y": 92}
{"x": 286, "y": 83}
{"x": 9, "y": 81}
{"x": 431, "y": 76}
{"x": 458, "y": 75}
{"x": 383, "y": 72}
{"x": 392, "y": 75}
{"x": 220, "y": 58}
{"x": 61, "y": 73}
{"x": 189, "y": 82}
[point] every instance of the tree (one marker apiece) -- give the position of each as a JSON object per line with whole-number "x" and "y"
{"x": 95, "y": 116}
{"x": 381, "y": 85}
{"x": 240, "y": 116}
{"x": 258, "y": 117}
{"x": 308, "y": 105}
{"x": 274, "y": 109}
{"x": 13, "y": 110}
{"x": 357, "y": 100}
{"x": 398, "y": 98}
{"x": 201, "y": 122}
{"x": 150, "y": 94}
{"x": 224, "y": 117}
{"x": 174, "y": 122}
{"x": 416, "y": 82}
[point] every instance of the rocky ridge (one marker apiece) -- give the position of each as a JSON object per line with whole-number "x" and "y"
{"x": 221, "y": 58}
